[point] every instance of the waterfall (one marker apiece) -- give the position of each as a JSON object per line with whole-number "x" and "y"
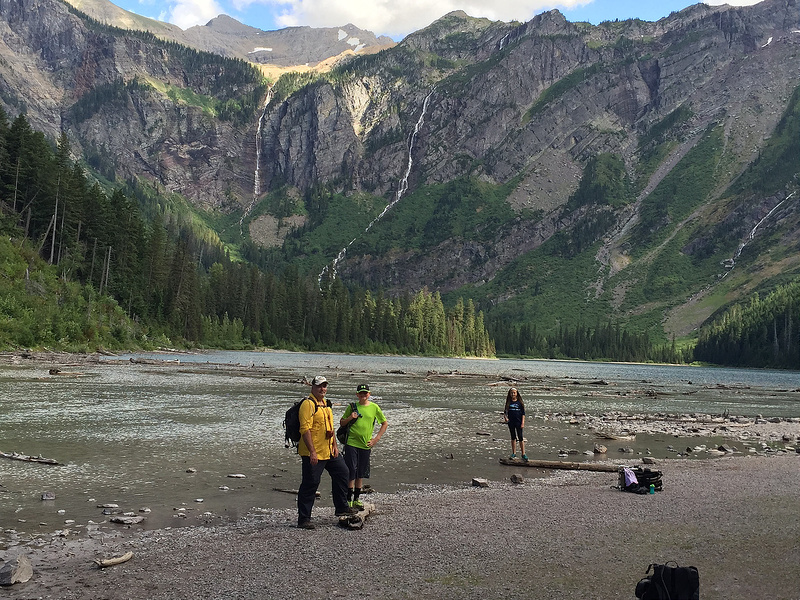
{"x": 402, "y": 188}
{"x": 730, "y": 263}
{"x": 256, "y": 174}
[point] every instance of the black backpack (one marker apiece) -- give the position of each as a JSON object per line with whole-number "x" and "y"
{"x": 669, "y": 583}
{"x": 291, "y": 423}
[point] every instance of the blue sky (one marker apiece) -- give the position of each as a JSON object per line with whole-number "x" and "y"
{"x": 396, "y": 18}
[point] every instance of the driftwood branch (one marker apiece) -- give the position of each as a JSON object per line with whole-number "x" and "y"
{"x": 287, "y": 491}
{"x": 356, "y": 521}
{"x": 110, "y": 562}
{"x": 558, "y": 464}
{"x": 26, "y": 458}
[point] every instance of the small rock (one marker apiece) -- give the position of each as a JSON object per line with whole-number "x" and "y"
{"x": 237, "y": 476}
{"x": 600, "y": 449}
{"x": 646, "y": 460}
{"x": 16, "y": 570}
{"x": 48, "y": 496}
{"x": 517, "y": 478}
{"x": 191, "y": 470}
{"x": 479, "y": 482}
{"x": 126, "y": 520}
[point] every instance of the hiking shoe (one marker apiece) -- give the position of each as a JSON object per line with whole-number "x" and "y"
{"x": 525, "y": 457}
{"x": 357, "y": 504}
{"x": 513, "y": 456}
{"x": 305, "y": 525}
{"x": 346, "y": 512}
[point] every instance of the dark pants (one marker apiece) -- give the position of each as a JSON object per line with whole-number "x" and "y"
{"x": 516, "y": 430}
{"x": 339, "y": 473}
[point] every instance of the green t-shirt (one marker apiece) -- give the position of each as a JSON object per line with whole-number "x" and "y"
{"x": 362, "y": 428}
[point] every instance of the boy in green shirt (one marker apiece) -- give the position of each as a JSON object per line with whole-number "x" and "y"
{"x": 360, "y": 441}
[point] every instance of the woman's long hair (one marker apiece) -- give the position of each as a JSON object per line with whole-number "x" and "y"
{"x": 509, "y": 397}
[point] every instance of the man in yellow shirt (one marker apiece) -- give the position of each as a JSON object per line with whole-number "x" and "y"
{"x": 319, "y": 451}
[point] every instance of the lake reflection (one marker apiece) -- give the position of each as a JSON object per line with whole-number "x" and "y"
{"x": 128, "y": 432}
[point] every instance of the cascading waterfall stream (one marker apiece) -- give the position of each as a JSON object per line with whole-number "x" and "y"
{"x": 401, "y": 190}
{"x": 752, "y": 234}
{"x": 257, "y": 173}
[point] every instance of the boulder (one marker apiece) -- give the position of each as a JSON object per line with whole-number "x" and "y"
{"x": 600, "y": 449}
{"x": 16, "y": 570}
{"x": 479, "y": 482}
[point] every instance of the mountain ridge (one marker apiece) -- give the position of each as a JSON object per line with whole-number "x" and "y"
{"x": 536, "y": 167}
{"x": 224, "y": 35}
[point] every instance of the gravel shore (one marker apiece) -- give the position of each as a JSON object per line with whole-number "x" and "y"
{"x": 570, "y": 535}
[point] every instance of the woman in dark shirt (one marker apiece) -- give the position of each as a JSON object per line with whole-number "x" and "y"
{"x": 514, "y": 415}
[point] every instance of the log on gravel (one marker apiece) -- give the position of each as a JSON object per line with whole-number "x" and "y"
{"x": 559, "y": 464}
{"x": 356, "y": 521}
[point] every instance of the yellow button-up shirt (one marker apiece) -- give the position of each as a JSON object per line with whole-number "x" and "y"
{"x": 320, "y": 422}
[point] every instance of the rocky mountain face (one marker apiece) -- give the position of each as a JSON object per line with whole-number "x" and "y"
{"x": 534, "y": 102}
{"x": 525, "y": 106}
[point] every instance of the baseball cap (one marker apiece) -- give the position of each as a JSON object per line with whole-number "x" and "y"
{"x": 318, "y": 380}
{"x": 362, "y": 388}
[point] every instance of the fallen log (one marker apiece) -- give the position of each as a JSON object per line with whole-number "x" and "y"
{"x": 26, "y": 458}
{"x": 287, "y": 491}
{"x": 618, "y": 437}
{"x": 110, "y": 562}
{"x": 559, "y": 464}
{"x": 66, "y": 373}
{"x": 356, "y": 521}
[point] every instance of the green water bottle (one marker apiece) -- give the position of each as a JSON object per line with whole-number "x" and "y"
{"x": 652, "y": 488}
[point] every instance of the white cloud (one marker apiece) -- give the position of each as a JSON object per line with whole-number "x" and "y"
{"x": 187, "y": 13}
{"x": 397, "y": 18}
{"x": 731, "y": 2}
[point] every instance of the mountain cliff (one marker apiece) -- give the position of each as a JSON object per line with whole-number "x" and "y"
{"x": 554, "y": 172}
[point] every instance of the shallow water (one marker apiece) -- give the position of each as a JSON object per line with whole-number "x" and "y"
{"x": 127, "y": 433}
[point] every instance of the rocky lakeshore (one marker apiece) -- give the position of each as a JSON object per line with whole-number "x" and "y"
{"x": 728, "y": 506}
{"x": 570, "y": 535}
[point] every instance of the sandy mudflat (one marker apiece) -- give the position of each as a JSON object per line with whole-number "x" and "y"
{"x": 566, "y": 536}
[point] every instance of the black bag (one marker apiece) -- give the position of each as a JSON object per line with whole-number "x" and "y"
{"x": 344, "y": 430}
{"x": 291, "y": 423}
{"x": 669, "y": 583}
{"x": 644, "y": 478}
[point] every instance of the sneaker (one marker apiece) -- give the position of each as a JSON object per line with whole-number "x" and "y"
{"x": 525, "y": 457}
{"x": 357, "y": 504}
{"x": 346, "y": 512}
{"x": 306, "y": 525}
{"x": 513, "y": 456}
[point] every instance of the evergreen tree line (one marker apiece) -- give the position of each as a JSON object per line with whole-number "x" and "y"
{"x": 607, "y": 341}
{"x": 171, "y": 281}
{"x": 173, "y": 278}
{"x": 762, "y": 333}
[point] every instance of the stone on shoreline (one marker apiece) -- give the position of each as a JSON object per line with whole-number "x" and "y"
{"x": 16, "y": 570}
